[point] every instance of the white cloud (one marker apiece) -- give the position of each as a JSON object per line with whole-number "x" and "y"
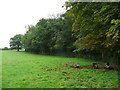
{"x": 16, "y": 14}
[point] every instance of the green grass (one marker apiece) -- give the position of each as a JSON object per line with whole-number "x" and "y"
{"x": 27, "y": 70}
{"x": 0, "y": 69}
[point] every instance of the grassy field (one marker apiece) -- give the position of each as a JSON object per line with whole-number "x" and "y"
{"x": 27, "y": 70}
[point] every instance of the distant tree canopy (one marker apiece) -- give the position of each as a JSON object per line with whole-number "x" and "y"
{"x": 5, "y": 48}
{"x": 89, "y": 30}
{"x": 15, "y": 42}
{"x": 49, "y": 36}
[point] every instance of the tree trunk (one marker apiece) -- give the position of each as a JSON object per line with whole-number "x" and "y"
{"x": 18, "y": 48}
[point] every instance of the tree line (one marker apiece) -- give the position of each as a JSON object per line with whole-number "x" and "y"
{"x": 89, "y": 30}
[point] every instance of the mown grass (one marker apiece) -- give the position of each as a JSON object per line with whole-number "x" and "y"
{"x": 27, "y": 70}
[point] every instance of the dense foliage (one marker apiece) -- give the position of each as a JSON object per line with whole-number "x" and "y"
{"x": 50, "y": 36}
{"x": 16, "y": 42}
{"x": 89, "y": 30}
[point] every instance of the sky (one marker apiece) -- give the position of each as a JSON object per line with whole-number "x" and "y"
{"x": 16, "y": 14}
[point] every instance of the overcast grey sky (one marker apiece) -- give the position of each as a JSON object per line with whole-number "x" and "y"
{"x": 16, "y": 14}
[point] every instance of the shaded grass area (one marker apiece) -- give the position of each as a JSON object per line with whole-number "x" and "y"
{"x": 27, "y": 70}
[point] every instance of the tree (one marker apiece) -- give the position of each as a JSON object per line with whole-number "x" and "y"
{"x": 96, "y": 28}
{"x": 48, "y": 36}
{"x": 15, "y": 42}
{"x": 86, "y": 29}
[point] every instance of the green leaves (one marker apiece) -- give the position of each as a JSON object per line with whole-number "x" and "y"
{"x": 15, "y": 42}
{"x": 84, "y": 28}
{"x": 49, "y": 36}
